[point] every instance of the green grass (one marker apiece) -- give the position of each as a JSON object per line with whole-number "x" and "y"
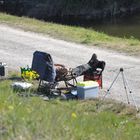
{"x": 31, "y": 118}
{"x": 74, "y": 34}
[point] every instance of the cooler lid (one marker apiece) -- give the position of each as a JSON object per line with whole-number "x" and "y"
{"x": 88, "y": 84}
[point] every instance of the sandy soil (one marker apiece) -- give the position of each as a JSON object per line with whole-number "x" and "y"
{"x": 17, "y": 47}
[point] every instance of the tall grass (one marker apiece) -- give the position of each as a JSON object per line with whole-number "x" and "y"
{"x": 31, "y": 118}
{"x": 74, "y": 34}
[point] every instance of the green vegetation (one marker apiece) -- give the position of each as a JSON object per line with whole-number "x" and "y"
{"x": 74, "y": 34}
{"x": 82, "y": 9}
{"x": 31, "y": 118}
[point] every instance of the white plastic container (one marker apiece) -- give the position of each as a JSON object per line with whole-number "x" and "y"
{"x": 87, "y": 90}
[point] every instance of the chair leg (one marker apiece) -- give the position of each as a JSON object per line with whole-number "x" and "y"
{"x": 66, "y": 83}
{"x": 101, "y": 82}
{"x": 40, "y": 82}
{"x": 74, "y": 81}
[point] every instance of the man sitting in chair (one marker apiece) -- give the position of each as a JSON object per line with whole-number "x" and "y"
{"x": 48, "y": 71}
{"x": 91, "y": 66}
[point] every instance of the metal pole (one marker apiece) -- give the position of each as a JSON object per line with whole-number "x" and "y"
{"x": 131, "y": 94}
{"x": 124, "y": 83}
{"x": 111, "y": 85}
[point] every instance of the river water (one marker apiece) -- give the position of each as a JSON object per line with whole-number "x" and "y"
{"x": 128, "y": 27}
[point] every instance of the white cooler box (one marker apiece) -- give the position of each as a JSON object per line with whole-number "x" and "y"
{"x": 87, "y": 90}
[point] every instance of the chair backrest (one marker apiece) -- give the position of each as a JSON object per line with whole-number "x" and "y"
{"x": 43, "y": 64}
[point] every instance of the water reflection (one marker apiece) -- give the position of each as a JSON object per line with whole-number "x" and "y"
{"x": 126, "y": 27}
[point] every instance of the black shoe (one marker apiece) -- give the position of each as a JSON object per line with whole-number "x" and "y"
{"x": 93, "y": 62}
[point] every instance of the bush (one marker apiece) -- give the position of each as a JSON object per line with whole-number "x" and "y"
{"x": 87, "y": 9}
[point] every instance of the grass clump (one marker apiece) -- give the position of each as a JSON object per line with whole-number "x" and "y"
{"x": 31, "y": 118}
{"x": 74, "y": 34}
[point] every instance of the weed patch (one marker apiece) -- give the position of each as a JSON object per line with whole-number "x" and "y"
{"x": 32, "y": 118}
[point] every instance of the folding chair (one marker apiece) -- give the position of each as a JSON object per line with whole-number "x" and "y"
{"x": 43, "y": 64}
{"x": 96, "y": 74}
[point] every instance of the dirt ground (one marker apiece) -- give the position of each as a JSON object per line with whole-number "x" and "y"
{"x": 17, "y": 47}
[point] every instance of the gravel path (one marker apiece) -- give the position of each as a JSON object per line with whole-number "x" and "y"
{"x": 17, "y": 47}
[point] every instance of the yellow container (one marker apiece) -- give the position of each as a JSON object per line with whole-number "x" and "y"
{"x": 88, "y": 84}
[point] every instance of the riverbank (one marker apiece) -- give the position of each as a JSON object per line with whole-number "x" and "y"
{"x": 74, "y": 34}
